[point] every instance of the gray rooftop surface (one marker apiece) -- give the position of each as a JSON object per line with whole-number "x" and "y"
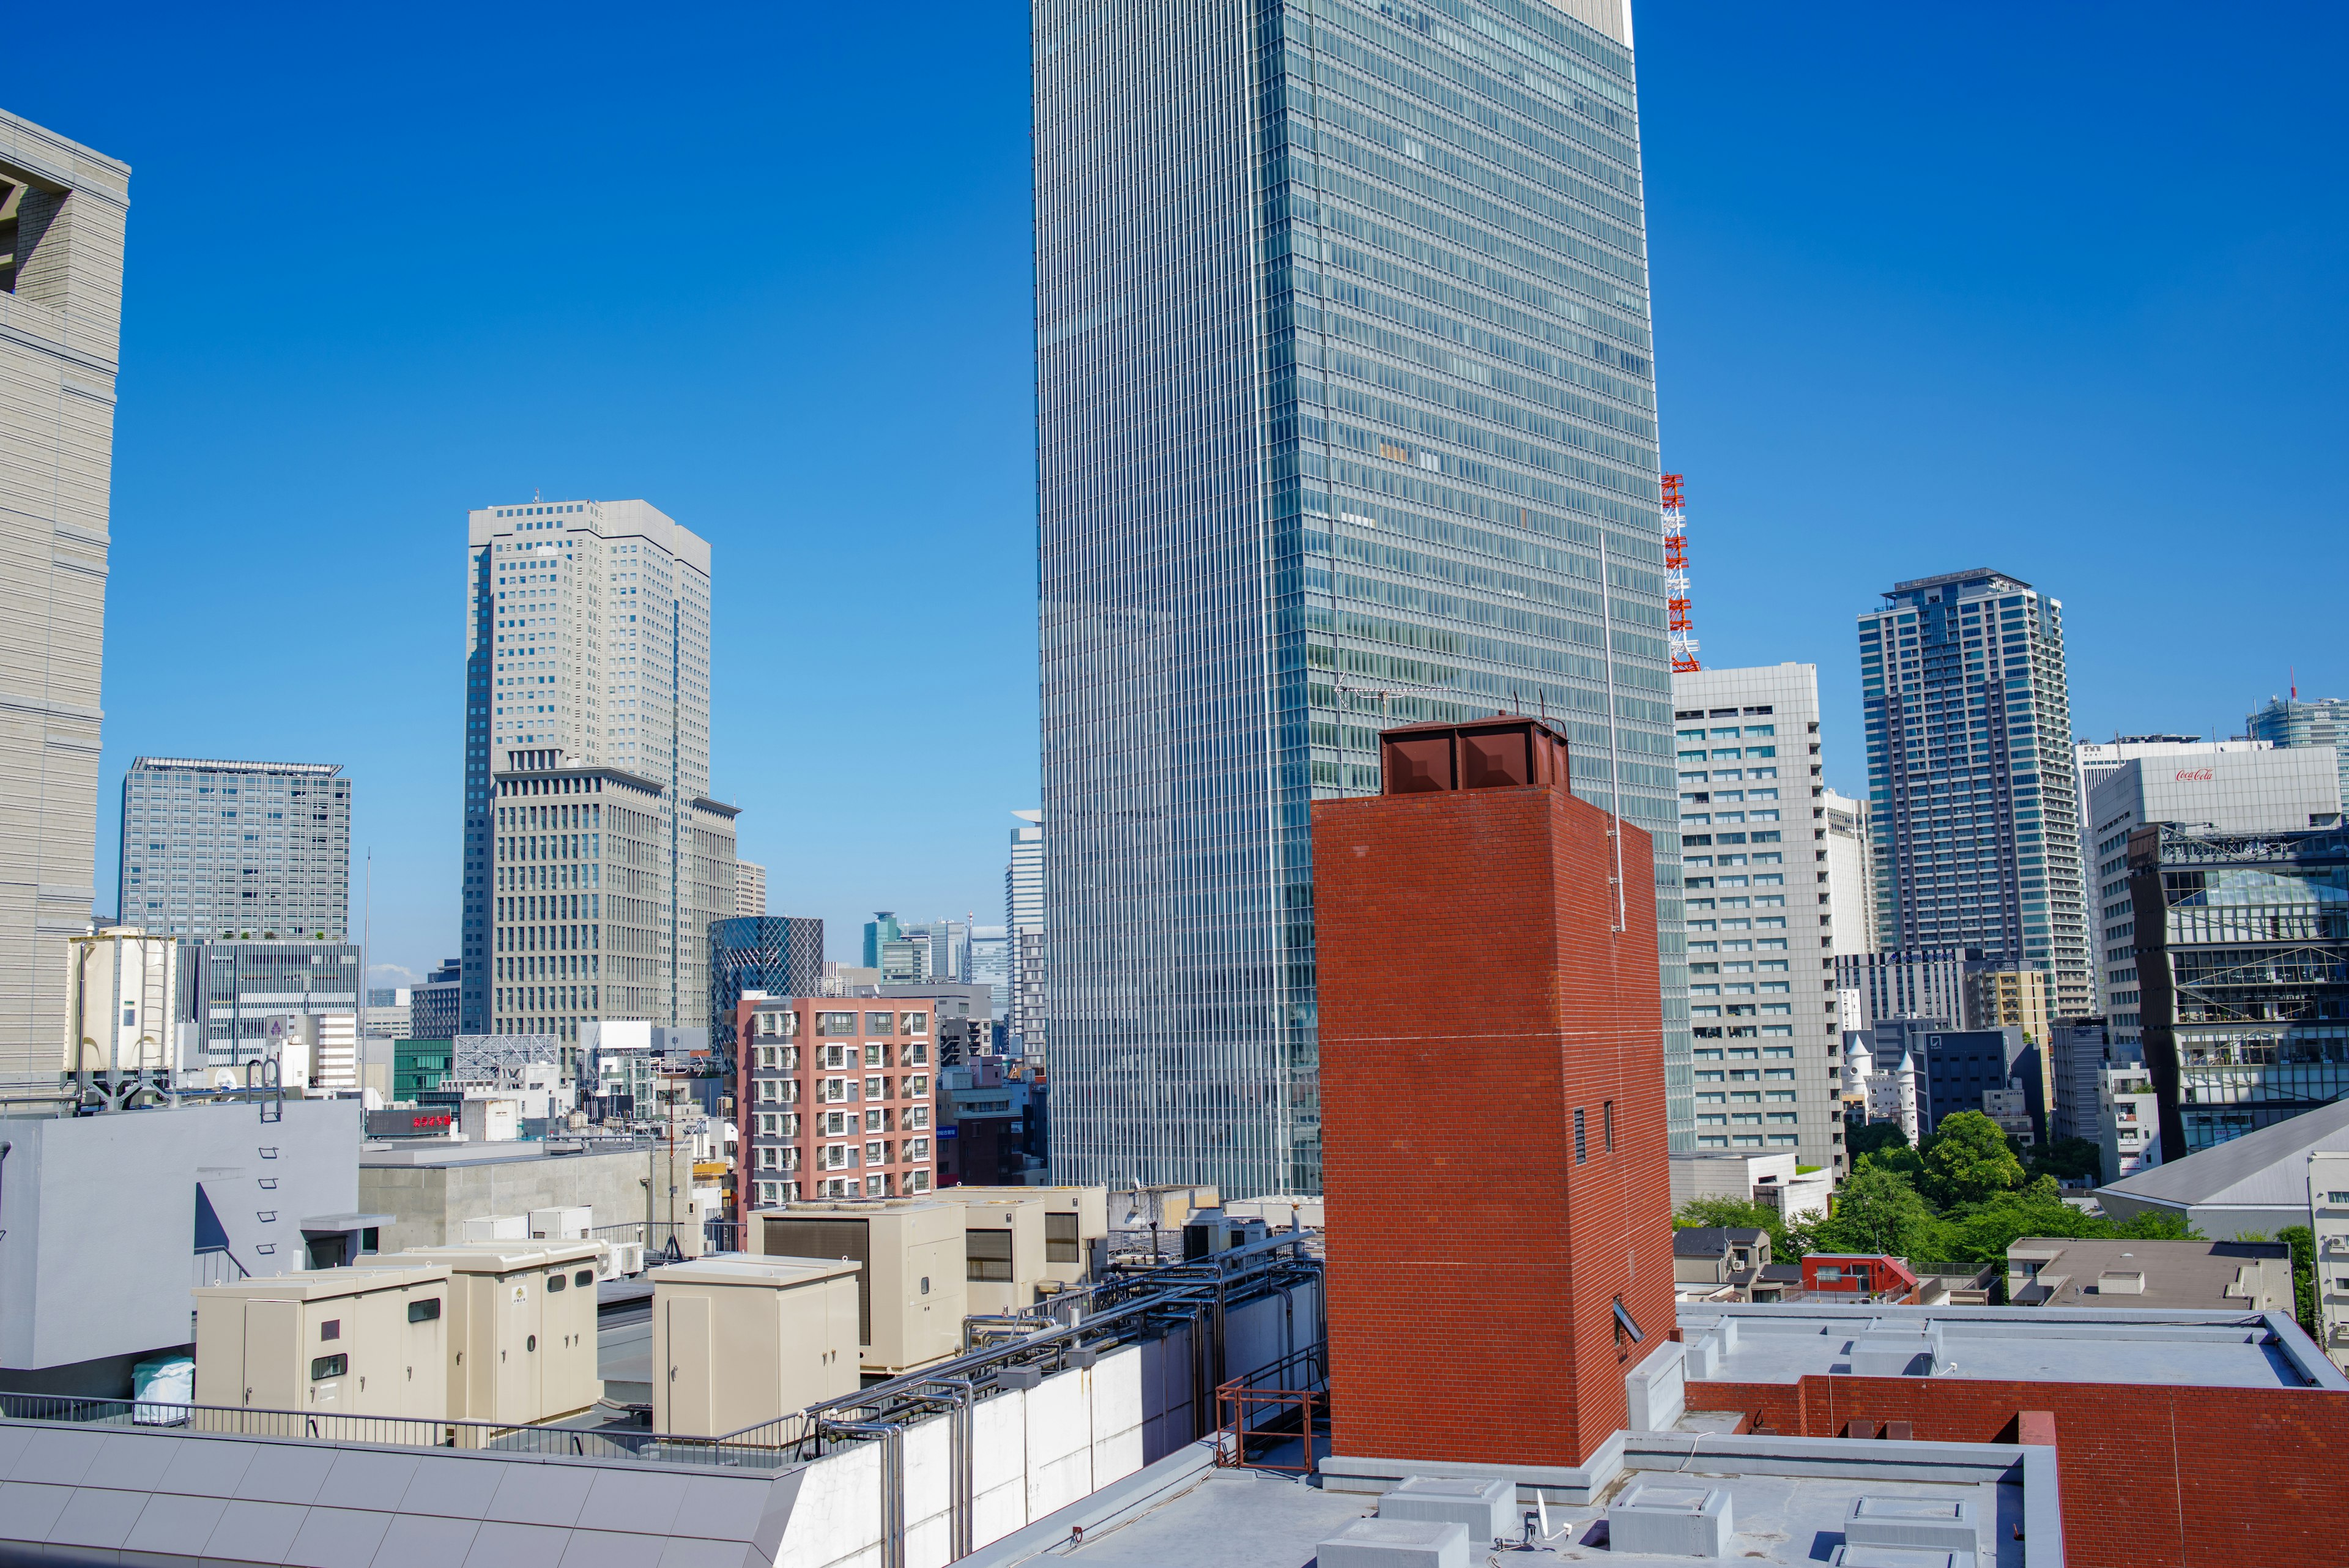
{"x": 2049, "y": 1345}
{"x": 2262, "y": 1170}
{"x": 1243, "y": 1520}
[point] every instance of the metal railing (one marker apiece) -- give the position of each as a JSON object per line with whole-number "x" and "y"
{"x": 666, "y": 1240}
{"x": 615, "y": 1442}
{"x": 1273, "y": 1404}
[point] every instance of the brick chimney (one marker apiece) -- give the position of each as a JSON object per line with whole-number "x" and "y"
{"x": 1498, "y": 1192}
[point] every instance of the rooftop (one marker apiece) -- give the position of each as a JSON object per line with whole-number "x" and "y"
{"x": 2207, "y": 1349}
{"x": 2262, "y": 1170}
{"x": 2066, "y": 1272}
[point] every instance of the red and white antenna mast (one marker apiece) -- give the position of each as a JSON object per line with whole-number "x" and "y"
{"x": 1676, "y": 578}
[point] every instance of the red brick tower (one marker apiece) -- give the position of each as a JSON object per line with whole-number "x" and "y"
{"x": 1492, "y": 1103}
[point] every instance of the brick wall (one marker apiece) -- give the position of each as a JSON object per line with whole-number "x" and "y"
{"x": 2153, "y": 1475}
{"x": 1473, "y": 996}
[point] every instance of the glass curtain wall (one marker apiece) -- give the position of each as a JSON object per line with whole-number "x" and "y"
{"x": 1347, "y": 418}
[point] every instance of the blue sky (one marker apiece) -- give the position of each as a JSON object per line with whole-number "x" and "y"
{"x": 1935, "y": 288}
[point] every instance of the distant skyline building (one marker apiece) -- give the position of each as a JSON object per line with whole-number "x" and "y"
{"x": 2287, "y": 721}
{"x": 879, "y": 933}
{"x": 781, "y": 955}
{"x": 1388, "y": 274}
{"x": 2231, "y": 787}
{"x": 228, "y": 850}
{"x": 594, "y": 859}
{"x": 62, "y": 212}
{"x": 1761, "y": 911}
{"x": 990, "y": 965}
{"x": 240, "y": 990}
{"x": 1970, "y": 794}
{"x": 433, "y": 1006}
{"x": 1024, "y": 931}
{"x": 749, "y": 889}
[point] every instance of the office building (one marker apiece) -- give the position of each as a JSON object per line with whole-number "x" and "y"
{"x": 1911, "y": 983}
{"x": 1996, "y": 998}
{"x": 2241, "y": 978}
{"x": 834, "y": 1100}
{"x": 1851, "y": 875}
{"x": 2287, "y": 721}
{"x": 2079, "y": 1050}
{"x": 62, "y": 211}
{"x": 388, "y": 1013}
{"x": 434, "y": 1008}
{"x": 2222, "y": 788}
{"x": 1526, "y": 974}
{"x": 749, "y": 889}
{"x": 1962, "y": 682}
{"x": 596, "y": 859}
{"x": 1761, "y": 909}
{"x": 1391, "y": 271}
{"x": 241, "y": 994}
{"x": 781, "y": 955}
{"x": 944, "y": 956}
{"x": 1023, "y": 924}
{"x": 990, "y": 965}
{"x": 1956, "y": 1067}
{"x": 237, "y": 849}
{"x": 879, "y": 932}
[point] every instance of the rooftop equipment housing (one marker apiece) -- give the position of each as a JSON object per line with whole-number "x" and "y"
{"x": 521, "y": 1336}
{"x": 738, "y": 1341}
{"x": 1076, "y": 1226}
{"x": 356, "y": 1342}
{"x": 1003, "y": 1251}
{"x": 912, "y": 1294}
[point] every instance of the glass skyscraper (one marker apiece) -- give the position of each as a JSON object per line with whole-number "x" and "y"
{"x": 2288, "y": 721}
{"x": 1969, "y": 781}
{"x": 1347, "y": 418}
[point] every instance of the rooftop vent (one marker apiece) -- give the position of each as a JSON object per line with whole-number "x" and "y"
{"x": 1670, "y": 1522}
{"x": 1500, "y": 752}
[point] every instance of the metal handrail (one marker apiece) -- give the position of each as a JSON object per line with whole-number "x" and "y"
{"x": 397, "y": 1432}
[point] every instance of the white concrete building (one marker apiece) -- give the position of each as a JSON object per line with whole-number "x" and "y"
{"x": 1851, "y": 874}
{"x": 596, "y": 859}
{"x": 2128, "y": 1120}
{"x": 62, "y": 212}
{"x": 1763, "y": 1004}
{"x": 1023, "y": 919}
{"x": 749, "y": 889}
{"x": 2230, "y": 786}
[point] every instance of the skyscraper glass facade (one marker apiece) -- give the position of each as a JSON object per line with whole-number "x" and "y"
{"x": 1970, "y": 791}
{"x": 231, "y": 849}
{"x": 2289, "y": 721}
{"x": 1347, "y": 418}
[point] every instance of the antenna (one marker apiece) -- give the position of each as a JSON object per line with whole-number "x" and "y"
{"x": 1676, "y": 578}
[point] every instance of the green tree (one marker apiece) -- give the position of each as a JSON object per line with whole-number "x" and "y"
{"x": 1878, "y": 1212}
{"x": 1868, "y": 1137}
{"x": 1968, "y": 1161}
{"x": 1980, "y": 1232}
{"x": 2155, "y": 1225}
{"x": 2303, "y": 1241}
{"x": 2067, "y": 1159}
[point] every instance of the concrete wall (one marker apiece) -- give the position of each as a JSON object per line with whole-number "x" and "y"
{"x": 430, "y": 1202}
{"x": 100, "y": 1217}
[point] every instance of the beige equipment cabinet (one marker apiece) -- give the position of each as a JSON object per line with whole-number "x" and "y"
{"x": 1076, "y": 1221}
{"x": 911, "y": 1291}
{"x": 522, "y": 1341}
{"x": 354, "y": 1342}
{"x": 1003, "y": 1251}
{"x": 738, "y": 1341}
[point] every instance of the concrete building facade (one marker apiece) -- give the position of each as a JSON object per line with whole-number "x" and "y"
{"x": 1755, "y": 849}
{"x": 1851, "y": 874}
{"x": 1968, "y": 709}
{"x": 63, "y": 208}
{"x": 232, "y": 849}
{"x": 587, "y": 656}
{"x": 749, "y": 889}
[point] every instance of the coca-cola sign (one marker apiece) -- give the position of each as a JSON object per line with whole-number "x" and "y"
{"x": 2194, "y": 775}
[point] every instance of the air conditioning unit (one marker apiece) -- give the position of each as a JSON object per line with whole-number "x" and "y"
{"x": 622, "y": 1260}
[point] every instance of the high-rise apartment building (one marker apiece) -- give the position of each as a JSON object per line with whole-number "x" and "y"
{"x": 1970, "y": 798}
{"x": 595, "y": 860}
{"x": 2289, "y": 722}
{"x": 1347, "y": 419}
{"x": 1761, "y": 911}
{"x": 1024, "y": 932}
{"x": 63, "y": 207}
{"x": 236, "y": 849}
{"x": 2227, "y": 787}
{"x": 750, "y": 890}
{"x": 1851, "y": 874}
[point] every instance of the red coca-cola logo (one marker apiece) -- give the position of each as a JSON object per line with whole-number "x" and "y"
{"x": 429, "y": 1122}
{"x": 2194, "y": 775}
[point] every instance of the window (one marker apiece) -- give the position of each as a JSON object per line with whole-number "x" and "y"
{"x": 879, "y": 1024}
{"x": 1606, "y": 1123}
{"x": 835, "y": 1024}
{"x": 1060, "y": 1241}
{"x": 325, "y": 1367}
{"x": 1581, "y": 1145}
{"x": 988, "y": 1255}
{"x": 917, "y": 1022}
{"x": 554, "y": 1281}
{"x": 424, "y": 1312}
{"x": 331, "y": 1329}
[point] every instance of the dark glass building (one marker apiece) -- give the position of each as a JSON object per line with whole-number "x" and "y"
{"x": 781, "y": 955}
